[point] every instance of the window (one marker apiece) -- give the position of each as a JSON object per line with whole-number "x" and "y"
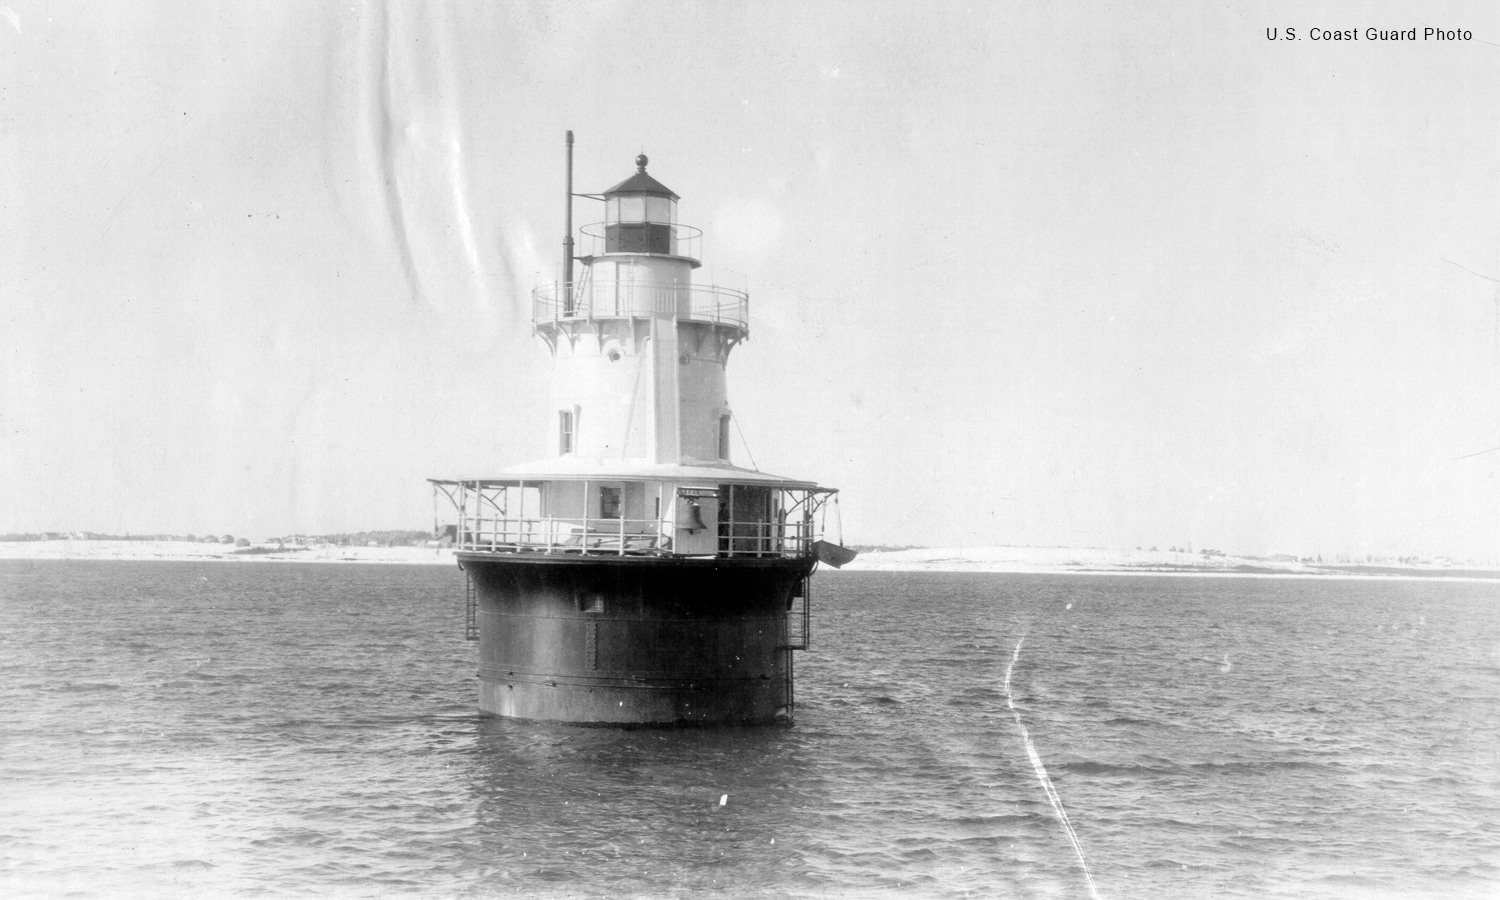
{"x": 609, "y": 503}
{"x": 632, "y": 209}
{"x": 662, "y": 210}
{"x": 723, "y": 437}
{"x": 564, "y": 431}
{"x": 658, "y": 209}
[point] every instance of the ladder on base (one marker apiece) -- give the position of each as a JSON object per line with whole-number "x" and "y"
{"x": 799, "y": 617}
{"x": 798, "y": 637}
{"x": 471, "y": 609}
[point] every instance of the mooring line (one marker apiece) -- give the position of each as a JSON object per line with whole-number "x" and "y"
{"x": 1041, "y": 772}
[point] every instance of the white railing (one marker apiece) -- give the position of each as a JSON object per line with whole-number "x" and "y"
{"x": 627, "y": 537}
{"x": 765, "y": 538}
{"x": 505, "y": 517}
{"x": 606, "y": 300}
{"x": 616, "y": 537}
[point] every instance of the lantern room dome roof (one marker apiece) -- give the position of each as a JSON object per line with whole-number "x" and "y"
{"x": 641, "y": 183}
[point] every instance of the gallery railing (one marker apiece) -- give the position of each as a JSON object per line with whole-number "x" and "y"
{"x": 606, "y": 300}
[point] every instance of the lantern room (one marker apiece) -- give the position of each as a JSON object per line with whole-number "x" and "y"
{"x": 640, "y": 214}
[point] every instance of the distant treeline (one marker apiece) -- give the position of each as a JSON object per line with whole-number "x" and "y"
{"x": 97, "y": 536}
{"x": 884, "y": 548}
{"x": 361, "y": 538}
{"x": 349, "y": 539}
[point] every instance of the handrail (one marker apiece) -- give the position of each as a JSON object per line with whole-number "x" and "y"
{"x": 508, "y": 519}
{"x": 628, "y": 537}
{"x": 633, "y": 299}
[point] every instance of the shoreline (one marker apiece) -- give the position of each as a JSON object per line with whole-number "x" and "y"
{"x": 1142, "y": 563}
{"x": 187, "y": 551}
{"x": 987, "y": 560}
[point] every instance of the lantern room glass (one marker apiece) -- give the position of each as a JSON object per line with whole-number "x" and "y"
{"x": 657, "y": 210}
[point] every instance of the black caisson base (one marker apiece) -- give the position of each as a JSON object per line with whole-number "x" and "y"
{"x": 634, "y": 640}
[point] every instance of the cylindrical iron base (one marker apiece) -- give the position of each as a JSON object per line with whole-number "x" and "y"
{"x": 634, "y": 640}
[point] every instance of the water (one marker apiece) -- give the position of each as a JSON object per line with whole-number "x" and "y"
{"x": 267, "y": 729}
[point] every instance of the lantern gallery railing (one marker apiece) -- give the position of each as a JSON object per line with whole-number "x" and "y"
{"x": 512, "y": 517}
{"x": 600, "y": 300}
{"x": 600, "y": 238}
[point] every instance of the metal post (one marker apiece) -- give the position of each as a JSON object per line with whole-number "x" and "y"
{"x": 567, "y": 269}
{"x": 463, "y": 515}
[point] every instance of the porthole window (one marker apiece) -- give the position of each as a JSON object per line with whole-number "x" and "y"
{"x": 614, "y": 356}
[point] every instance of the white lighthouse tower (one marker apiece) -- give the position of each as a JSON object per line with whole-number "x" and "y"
{"x": 635, "y": 574}
{"x": 640, "y": 350}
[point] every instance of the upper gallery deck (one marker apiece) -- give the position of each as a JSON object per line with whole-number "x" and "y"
{"x": 697, "y": 514}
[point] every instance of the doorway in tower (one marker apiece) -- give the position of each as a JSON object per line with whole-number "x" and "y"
{"x": 747, "y": 520}
{"x": 621, "y": 288}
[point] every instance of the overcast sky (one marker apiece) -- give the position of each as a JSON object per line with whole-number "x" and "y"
{"x": 1046, "y": 274}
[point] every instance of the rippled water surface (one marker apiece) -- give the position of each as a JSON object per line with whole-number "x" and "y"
{"x": 236, "y": 729}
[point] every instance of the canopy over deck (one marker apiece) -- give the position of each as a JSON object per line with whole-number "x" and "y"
{"x": 569, "y": 469}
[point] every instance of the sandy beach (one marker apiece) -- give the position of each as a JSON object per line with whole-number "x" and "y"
{"x": 190, "y": 550}
{"x": 1019, "y": 560}
{"x": 1099, "y": 561}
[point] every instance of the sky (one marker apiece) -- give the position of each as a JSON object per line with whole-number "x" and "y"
{"x": 1054, "y": 274}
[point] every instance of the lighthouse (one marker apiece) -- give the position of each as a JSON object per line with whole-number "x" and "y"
{"x": 636, "y": 574}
